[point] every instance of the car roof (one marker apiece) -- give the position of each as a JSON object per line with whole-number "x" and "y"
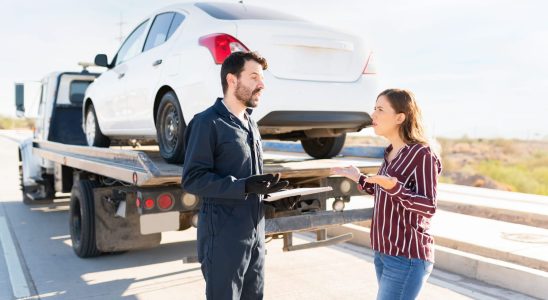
{"x": 186, "y": 6}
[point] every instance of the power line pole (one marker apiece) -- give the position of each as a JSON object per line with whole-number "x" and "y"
{"x": 120, "y": 37}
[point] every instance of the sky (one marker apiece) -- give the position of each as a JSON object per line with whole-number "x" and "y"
{"x": 477, "y": 68}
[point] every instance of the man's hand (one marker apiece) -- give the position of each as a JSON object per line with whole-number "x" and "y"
{"x": 264, "y": 184}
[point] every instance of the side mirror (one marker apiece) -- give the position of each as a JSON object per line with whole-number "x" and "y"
{"x": 20, "y": 99}
{"x": 101, "y": 60}
{"x": 27, "y": 99}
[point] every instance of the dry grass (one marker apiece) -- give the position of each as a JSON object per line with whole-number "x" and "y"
{"x": 512, "y": 165}
{"x": 13, "y": 123}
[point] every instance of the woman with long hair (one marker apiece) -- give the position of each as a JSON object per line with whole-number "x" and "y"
{"x": 404, "y": 192}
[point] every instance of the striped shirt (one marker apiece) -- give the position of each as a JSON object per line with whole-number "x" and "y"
{"x": 402, "y": 214}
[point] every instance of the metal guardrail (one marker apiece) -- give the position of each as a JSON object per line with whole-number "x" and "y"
{"x": 359, "y": 151}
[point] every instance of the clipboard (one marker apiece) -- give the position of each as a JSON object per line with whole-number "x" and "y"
{"x": 296, "y": 192}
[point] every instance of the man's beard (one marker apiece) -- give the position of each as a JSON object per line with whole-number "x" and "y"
{"x": 245, "y": 95}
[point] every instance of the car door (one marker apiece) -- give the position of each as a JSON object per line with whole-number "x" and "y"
{"x": 113, "y": 84}
{"x": 144, "y": 72}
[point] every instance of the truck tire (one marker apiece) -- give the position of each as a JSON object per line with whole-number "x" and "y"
{"x": 170, "y": 129}
{"x": 82, "y": 219}
{"x": 324, "y": 147}
{"x": 94, "y": 136}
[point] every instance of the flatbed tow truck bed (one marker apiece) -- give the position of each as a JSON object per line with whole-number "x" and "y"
{"x": 147, "y": 168}
{"x": 143, "y": 168}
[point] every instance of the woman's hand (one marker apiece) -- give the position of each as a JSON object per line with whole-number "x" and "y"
{"x": 350, "y": 172}
{"x": 384, "y": 181}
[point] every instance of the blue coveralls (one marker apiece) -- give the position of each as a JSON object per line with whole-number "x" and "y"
{"x": 220, "y": 154}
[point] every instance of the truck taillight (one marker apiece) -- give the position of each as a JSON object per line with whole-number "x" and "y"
{"x": 165, "y": 201}
{"x": 149, "y": 203}
{"x": 221, "y": 45}
{"x": 369, "y": 68}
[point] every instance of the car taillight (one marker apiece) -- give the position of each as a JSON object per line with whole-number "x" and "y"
{"x": 149, "y": 203}
{"x": 165, "y": 201}
{"x": 221, "y": 45}
{"x": 369, "y": 65}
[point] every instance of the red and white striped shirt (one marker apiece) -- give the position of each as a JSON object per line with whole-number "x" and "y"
{"x": 402, "y": 214}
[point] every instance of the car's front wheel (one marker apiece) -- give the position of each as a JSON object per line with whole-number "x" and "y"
{"x": 94, "y": 136}
{"x": 170, "y": 129}
{"x": 324, "y": 147}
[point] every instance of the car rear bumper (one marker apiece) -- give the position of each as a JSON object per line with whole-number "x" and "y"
{"x": 316, "y": 119}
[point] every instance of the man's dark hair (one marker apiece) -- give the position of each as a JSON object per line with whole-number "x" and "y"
{"x": 234, "y": 64}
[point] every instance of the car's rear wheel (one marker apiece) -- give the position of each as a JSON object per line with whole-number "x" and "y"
{"x": 94, "y": 136}
{"x": 324, "y": 147}
{"x": 170, "y": 128}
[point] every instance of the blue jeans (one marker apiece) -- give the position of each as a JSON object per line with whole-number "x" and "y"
{"x": 400, "y": 277}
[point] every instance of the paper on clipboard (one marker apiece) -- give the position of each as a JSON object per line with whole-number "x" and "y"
{"x": 297, "y": 192}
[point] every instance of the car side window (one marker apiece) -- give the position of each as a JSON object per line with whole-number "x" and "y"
{"x": 133, "y": 44}
{"x": 158, "y": 31}
{"x": 177, "y": 20}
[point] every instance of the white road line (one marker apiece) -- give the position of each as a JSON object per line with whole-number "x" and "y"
{"x": 17, "y": 277}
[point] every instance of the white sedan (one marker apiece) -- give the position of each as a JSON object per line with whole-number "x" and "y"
{"x": 318, "y": 83}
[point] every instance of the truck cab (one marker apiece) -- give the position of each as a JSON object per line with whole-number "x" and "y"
{"x": 55, "y": 105}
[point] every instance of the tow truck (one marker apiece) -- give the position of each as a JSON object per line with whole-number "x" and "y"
{"x": 123, "y": 197}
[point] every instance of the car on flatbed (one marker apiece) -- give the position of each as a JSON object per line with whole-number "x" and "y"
{"x": 318, "y": 80}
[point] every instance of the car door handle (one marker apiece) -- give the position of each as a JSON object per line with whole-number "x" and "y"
{"x": 154, "y": 64}
{"x": 121, "y": 75}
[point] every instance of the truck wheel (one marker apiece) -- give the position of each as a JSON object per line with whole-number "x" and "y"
{"x": 94, "y": 136}
{"x": 324, "y": 147}
{"x": 82, "y": 219}
{"x": 170, "y": 128}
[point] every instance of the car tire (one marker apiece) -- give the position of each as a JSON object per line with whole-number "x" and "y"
{"x": 324, "y": 147}
{"x": 170, "y": 129}
{"x": 82, "y": 219}
{"x": 94, "y": 136}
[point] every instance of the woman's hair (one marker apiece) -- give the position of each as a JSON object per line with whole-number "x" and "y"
{"x": 403, "y": 101}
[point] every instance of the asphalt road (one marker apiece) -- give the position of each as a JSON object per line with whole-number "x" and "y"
{"x": 36, "y": 258}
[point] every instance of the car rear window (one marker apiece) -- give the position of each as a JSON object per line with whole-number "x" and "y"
{"x": 230, "y": 11}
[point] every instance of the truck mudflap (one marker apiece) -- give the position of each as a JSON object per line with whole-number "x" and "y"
{"x": 114, "y": 233}
{"x": 314, "y": 221}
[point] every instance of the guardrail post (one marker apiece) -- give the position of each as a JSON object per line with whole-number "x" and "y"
{"x": 288, "y": 241}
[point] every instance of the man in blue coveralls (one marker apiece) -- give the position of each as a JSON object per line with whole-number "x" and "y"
{"x": 223, "y": 165}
